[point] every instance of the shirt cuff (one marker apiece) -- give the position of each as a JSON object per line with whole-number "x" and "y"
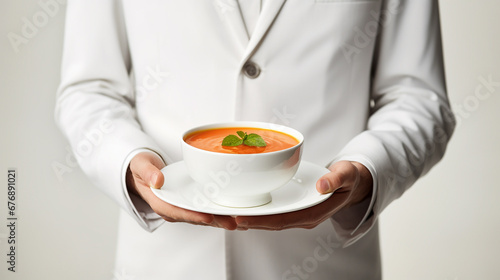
{"x": 144, "y": 214}
{"x": 353, "y": 222}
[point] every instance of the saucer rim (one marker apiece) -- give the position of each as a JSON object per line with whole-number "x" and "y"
{"x": 247, "y": 211}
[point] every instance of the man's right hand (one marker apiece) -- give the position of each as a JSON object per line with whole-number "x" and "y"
{"x": 144, "y": 172}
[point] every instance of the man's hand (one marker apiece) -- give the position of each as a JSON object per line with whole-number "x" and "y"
{"x": 350, "y": 181}
{"x": 144, "y": 171}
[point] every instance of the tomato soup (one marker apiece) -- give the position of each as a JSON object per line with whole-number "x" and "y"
{"x": 211, "y": 140}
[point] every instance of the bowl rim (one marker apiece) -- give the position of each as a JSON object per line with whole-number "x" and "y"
{"x": 251, "y": 124}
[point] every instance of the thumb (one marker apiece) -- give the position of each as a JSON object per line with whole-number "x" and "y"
{"x": 323, "y": 185}
{"x": 146, "y": 166}
{"x": 156, "y": 178}
{"x": 340, "y": 174}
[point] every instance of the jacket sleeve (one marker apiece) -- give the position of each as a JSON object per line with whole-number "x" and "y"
{"x": 411, "y": 121}
{"x": 94, "y": 105}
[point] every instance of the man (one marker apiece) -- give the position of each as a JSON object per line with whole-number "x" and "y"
{"x": 362, "y": 80}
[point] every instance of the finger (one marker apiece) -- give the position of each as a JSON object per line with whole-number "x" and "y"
{"x": 275, "y": 223}
{"x": 146, "y": 169}
{"x": 307, "y": 218}
{"x": 343, "y": 174}
{"x": 173, "y": 213}
{"x": 225, "y": 222}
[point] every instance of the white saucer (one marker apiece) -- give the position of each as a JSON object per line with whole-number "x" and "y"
{"x": 180, "y": 190}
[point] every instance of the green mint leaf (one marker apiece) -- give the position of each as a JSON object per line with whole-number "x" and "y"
{"x": 232, "y": 140}
{"x": 254, "y": 140}
{"x": 242, "y": 134}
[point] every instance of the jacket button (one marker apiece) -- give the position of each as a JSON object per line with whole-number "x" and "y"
{"x": 251, "y": 70}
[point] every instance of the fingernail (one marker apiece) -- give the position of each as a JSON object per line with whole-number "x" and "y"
{"x": 154, "y": 179}
{"x": 324, "y": 186}
{"x": 209, "y": 222}
{"x": 243, "y": 224}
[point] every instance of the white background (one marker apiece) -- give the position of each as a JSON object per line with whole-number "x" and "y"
{"x": 446, "y": 227}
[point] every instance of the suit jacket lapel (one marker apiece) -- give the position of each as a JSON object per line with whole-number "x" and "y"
{"x": 269, "y": 13}
{"x": 231, "y": 13}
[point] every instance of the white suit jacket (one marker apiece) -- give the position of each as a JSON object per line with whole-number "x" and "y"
{"x": 361, "y": 79}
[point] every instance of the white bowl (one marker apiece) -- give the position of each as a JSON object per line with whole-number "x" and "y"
{"x": 242, "y": 180}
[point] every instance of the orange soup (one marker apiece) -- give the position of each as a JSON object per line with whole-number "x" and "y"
{"x": 211, "y": 140}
